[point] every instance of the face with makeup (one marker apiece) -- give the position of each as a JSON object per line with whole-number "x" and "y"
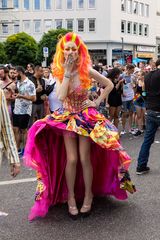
{"x": 70, "y": 51}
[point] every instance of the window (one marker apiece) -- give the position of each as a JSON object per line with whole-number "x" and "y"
{"x": 37, "y": 26}
{"x": 141, "y": 5}
{"x": 4, "y": 28}
{"x": 146, "y": 30}
{"x": 80, "y": 25}
{"x": 4, "y": 5}
{"x": 135, "y": 7}
{"x": 70, "y": 24}
{"x": 16, "y": 4}
{"x": 129, "y": 27}
{"x": 37, "y": 4}
{"x": 58, "y": 4}
{"x": 140, "y": 29}
{"x": 69, "y": 4}
{"x": 47, "y": 25}
{"x": 58, "y": 23}
{"x": 129, "y": 6}
{"x": 91, "y": 25}
{"x": 80, "y": 3}
{"x": 47, "y": 4}
{"x": 26, "y": 26}
{"x": 16, "y": 27}
{"x": 92, "y": 4}
{"x": 123, "y": 26}
{"x": 146, "y": 10}
{"x": 135, "y": 28}
{"x": 26, "y": 4}
{"x": 123, "y": 5}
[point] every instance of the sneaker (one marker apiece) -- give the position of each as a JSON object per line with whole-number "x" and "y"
{"x": 142, "y": 170}
{"x": 132, "y": 131}
{"x": 123, "y": 132}
{"x": 19, "y": 151}
{"x": 138, "y": 133}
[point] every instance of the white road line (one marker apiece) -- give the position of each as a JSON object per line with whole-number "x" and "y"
{"x": 25, "y": 180}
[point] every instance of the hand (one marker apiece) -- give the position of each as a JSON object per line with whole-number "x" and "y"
{"x": 39, "y": 88}
{"x": 15, "y": 169}
{"x": 121, "y": 81}
{"x": 44, "y": 97}
{"x": 69, "y": 63}
{"x": 89, "y": 103}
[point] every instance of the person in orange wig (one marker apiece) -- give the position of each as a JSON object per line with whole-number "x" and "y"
{"x": 76, "y": 150}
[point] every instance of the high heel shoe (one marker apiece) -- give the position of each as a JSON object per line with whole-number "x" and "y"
{"x": 72, "y": 210}
{"x": 86, "y": 208}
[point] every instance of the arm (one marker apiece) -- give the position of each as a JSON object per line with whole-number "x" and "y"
{"x": 103, "y": 82}
{"x": 8, "y": 138}
{"x": 27, "y": 97}
{"x": 62, "y": 88}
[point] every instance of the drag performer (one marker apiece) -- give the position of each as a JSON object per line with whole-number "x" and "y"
{"x": 76, "y": 150}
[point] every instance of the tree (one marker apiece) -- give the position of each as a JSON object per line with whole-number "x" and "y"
{"x": 49, "y": 40}
{"x": 3, "y": 57}
{"x": 21, "y": 49}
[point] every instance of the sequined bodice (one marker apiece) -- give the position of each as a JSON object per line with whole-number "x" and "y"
{"x": 75, "y": 101}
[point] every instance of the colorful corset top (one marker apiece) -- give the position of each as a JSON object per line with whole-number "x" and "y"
{"x": 74, "y": 102}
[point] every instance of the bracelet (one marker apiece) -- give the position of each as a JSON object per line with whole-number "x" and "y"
{"x": 67, "y": 76}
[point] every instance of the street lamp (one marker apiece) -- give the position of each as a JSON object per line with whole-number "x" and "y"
{"x": 122, "y": 50}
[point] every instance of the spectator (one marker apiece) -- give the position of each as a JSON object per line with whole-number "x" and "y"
{"x": 23, "y": 106}
{"x": 38, "y": 105}
{"x": 152, "y": 88}
{"x": 30, "y": 70}
{"x": 114, "y": 98}
{"x": 127, "y": 97}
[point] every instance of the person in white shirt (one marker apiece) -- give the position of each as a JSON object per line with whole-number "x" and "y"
{"x": 26, "y": 94}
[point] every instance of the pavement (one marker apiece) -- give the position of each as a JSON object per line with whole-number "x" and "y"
{"x": 138, "y": 218}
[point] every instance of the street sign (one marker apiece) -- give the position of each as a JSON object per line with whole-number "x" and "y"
{"x": 45, "y": 52}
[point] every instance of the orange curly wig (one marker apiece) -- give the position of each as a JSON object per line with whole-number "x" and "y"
{"x": 84, "y": 59}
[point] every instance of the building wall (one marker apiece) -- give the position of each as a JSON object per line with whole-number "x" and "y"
{"x": 108, "y": 16}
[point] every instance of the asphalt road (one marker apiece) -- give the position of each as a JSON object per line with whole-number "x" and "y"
{"x": 138, "y": 218}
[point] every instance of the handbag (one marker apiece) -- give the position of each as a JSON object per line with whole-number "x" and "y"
{"x": 49, "y": 88}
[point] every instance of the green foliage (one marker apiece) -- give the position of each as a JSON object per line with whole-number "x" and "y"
{"x": 21, "y": 49}
{"x": 3, "y": 57}
{"x": 49, "y": 40}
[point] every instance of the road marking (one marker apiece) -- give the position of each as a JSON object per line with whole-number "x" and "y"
{"x": 25, "y": 180}
{"x": 3, "y": 214}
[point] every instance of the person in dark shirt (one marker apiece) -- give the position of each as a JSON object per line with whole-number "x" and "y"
{"x": 30, "y": 70}
{"x": 152, "y": 89}
{"x": 38, "y": 105}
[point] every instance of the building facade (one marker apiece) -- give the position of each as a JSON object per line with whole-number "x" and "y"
{"x": 113, "y": 29}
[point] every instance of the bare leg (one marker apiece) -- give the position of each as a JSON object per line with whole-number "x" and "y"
{"x": 130, "y": 119}
{"x": 17, "y": 136}
{"x": 124, "y": 117}
{"x": 24, "y": 137}
{"x": 84, "y": 151}
{"x": 116, "y": 116}
{"x": 139, "y": 117}
{"x": 111, "y": 113}
{"x": 70, "y": 171}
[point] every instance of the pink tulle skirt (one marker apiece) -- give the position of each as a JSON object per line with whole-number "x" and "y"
{"x": 45, "y": 152}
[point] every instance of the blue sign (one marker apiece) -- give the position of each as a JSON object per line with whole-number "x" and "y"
{"x": 45, "y": 50}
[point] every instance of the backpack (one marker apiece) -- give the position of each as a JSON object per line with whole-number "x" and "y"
{"x": 49, "y": 88}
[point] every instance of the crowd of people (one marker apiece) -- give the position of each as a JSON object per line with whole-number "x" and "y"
{"x": 67, "y": 98}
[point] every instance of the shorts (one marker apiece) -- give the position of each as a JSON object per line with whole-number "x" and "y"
{"x": 139, "y": 104}
{"x": 128, "y": 106}
{"x": 21, "y": 120}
